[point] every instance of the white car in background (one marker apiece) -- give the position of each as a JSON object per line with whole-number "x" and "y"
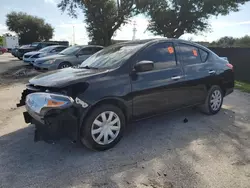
{"x": 30, "y": 57}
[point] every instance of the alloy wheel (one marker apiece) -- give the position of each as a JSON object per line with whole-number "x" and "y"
{"x": 106, "y": 127}
{"x": 65, "y": 66}
{"x": 216, "y": 100}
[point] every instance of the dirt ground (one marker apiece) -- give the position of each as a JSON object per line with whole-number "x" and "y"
{"x": 163, "y": 152}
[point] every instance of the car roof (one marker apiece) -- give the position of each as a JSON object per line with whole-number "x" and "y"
{"x": 55, "y": 46}
{"x": 158, "y": 40}
{"x": 95, "y": 46}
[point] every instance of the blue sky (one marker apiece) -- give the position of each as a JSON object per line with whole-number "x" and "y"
{"x": 235, "y": 24}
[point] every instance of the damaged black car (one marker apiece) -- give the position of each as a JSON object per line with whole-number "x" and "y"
{"x": 129, "y": 81}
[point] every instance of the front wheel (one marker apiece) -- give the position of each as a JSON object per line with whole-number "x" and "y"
{"x": 64, "y": 65}
{"x": 103, "y": 128}
{"x": 213, "y": 101}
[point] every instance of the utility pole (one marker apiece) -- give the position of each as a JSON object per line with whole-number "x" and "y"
{"x": 134, "y": 31}
{"x": 73, "y": 41}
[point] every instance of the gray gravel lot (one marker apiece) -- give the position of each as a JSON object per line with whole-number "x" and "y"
{"x": 7, "y": 61}
{"x": 163, "y": 152}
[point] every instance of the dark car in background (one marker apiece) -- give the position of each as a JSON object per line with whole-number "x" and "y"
{"x": 35, "y": 46}
{"x": 14, "y": 51}
{"x": 71, "y": 56}
{"x": 30, "y": 57}
{"x": 124, "y": 82}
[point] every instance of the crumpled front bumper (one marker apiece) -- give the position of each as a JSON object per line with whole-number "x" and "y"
{"x": 55, "y": 124}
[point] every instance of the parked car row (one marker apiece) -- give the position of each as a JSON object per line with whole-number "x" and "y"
{"x": 30, "y": 57}
{"x": 71, "y": 56}
{"x": 50, "y": 56}
{"x": 35, "y": 46}
{"x": 59, "y": 56}
{"x": 129, "y": 81}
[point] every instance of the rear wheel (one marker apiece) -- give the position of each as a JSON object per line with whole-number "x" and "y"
{"x": 20, "y": 58}
{"x": 213, "y": 101}
{"x": 103, "y": 128}
{"x": 64, "y": 65}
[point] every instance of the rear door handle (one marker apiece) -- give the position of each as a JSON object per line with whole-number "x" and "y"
{"x": 176, "y": 78}
{"x": 211, "y": 72}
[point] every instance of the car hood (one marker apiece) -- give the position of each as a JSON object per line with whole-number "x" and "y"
{"x": 32, "y": 53}
{"x": 27, "y": 48}
{"x": 55, "y": 56}
{"x": 65, "y": 77}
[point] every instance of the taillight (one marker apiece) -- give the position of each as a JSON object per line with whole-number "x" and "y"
{"x": 230, "y": 66}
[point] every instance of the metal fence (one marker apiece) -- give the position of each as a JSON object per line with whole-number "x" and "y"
{"x": 240, "y": 58}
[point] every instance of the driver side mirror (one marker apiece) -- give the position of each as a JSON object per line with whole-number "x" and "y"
{"x": 144, "y": 66}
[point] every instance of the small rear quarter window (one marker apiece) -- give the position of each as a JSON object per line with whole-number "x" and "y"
{"x": 204, "y": 55}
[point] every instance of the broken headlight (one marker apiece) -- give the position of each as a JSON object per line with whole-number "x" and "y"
{"x": 41, "y": 103}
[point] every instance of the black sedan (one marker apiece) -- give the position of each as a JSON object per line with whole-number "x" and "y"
{"x": 121, "y": 83}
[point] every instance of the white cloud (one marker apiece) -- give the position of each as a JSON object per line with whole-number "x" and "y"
{"x": 64, "y": 31}
{"x": 126, "y": 31}
{"x": 3, "y": 29}
{"x": 53, "y": 2}
{"x": 229, "y": 24}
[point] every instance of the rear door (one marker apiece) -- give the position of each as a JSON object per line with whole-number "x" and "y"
{"x": 198, "y": 71}
{"x": 160, "y": 89}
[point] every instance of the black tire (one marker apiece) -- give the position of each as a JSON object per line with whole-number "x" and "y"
{"x": 86, "y": 136}
{"x": 64, "y": 65}
{"x": 20, "y": 58}
{"x": 207, "y": 106}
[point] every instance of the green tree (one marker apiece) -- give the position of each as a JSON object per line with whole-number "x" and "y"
{"x": 7, "y": 35}
{"x": 1, "y": 40}
{"x": 103, "y": 17}
{"x": 243, "y": 42}
{"x": 224, "y": 42}
{"x": 29, "y": 28}
{"x": 173, "y": 18}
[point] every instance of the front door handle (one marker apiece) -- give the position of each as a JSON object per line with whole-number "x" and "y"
{"x": 211, "y": 72}
{"x": 176, "y": 78}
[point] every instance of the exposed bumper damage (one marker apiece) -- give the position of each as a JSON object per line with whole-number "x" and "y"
{"x": 53, "y": 124}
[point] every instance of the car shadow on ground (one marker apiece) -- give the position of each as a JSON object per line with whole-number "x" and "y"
{"x": 161, "y": 147}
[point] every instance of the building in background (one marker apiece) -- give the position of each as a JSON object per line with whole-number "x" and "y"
{"x": 10, "y": 42}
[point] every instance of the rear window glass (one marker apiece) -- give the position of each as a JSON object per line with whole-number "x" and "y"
{"x": 189, "y": 54}
{"x": 204, "y": 55}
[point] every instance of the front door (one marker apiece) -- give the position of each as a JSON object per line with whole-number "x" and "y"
{"x": 161, "y": 89}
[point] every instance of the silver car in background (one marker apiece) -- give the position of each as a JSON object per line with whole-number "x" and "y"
{"x": 71, "y": 56}
{"x": 30, "y": 57}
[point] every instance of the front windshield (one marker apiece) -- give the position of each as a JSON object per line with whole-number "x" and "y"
{"x": 46, "y": 49}
{"x": 70, "y": 50}
{"x": 34, "y": 44}
{"x": 111, "y": 57}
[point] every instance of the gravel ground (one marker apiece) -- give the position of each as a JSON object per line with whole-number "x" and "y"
{"x": 7, "y": 61}
{"x": 163, "y": 152}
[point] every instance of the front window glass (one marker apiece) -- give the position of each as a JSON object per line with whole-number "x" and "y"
{"x": 162, "y": 54}
{"x": 34, "y": 44}
{"x": 111, "y": 57}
